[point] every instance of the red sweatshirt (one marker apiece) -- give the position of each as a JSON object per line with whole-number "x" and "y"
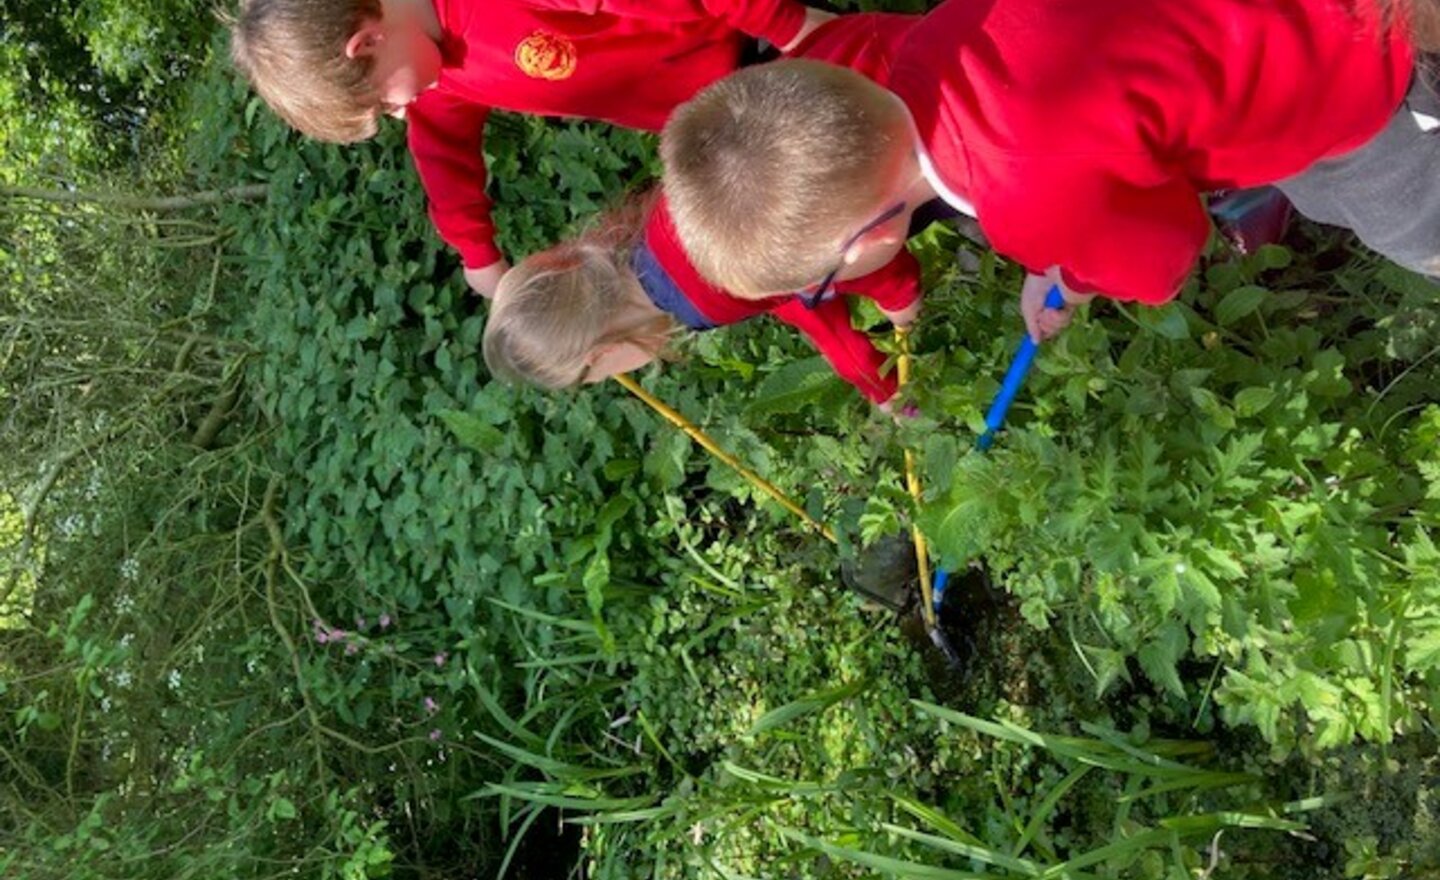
{"x": 827, "y": 325}
{"x": 867, "y": 43}
{"x": 1084, "y": 131}
{"x": 629, "y": 62}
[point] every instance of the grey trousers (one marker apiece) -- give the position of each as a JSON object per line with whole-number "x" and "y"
{"x": 1388, "y": 191}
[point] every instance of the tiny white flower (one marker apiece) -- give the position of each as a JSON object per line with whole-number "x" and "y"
{"x": 174, "y": 680}
{"x": 125, "y": 641}
{"x": 123, "y": 678}
{"x": 1180, "y": 568}
{"x": 130, "y": 568}
{"x": 72, "y": 525}
{"x": 252, "y": 664}
{"x": 105, "y": 704}
{"x": 124, "y": 604}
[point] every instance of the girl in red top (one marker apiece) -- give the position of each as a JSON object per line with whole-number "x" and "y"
{"x": 609, "y": 303}
{"x": 330, "y": 67}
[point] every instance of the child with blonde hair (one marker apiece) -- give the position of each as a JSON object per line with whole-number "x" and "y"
{"x": 612, "y": 301}
{"x": 330, "y": 68}
{"x": 1081, "y": 135}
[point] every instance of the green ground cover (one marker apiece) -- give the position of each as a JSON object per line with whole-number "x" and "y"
{"x": 295, "y": 590}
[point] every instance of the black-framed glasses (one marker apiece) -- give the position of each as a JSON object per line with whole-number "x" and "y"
{"x": 815, "y": 297}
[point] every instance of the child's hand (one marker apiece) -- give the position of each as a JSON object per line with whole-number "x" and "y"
{"x": 486, "y": 279}
{"x": 898, "y": 410}
{"x": 1042, "y": 323}
{"x": 906, "y": 316}
{"x": 813, "y": 19}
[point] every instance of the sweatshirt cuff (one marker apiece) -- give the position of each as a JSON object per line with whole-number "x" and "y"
{"x": 882, "y": 389}
{"x": 785, "y": 24}
{"x": 479, "y": 254}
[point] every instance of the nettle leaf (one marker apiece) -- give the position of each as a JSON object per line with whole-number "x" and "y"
{"x": 1208, "y": 402}
{"x": 1159, "y": 655}
{"x": 666, "y": 462}
{"x": 1272, "y": 256}
{"x": 595, "y": 580}
{"x": 942, "y": 451}
{"x": 473, "y": 431}
{"x": 1164, "y": 591}
{"x": 1422, "y": 647}
{"x": 1200, "y": 598}
{"x": 1107, "y": 665}
{"x": 1252, "y": 401}
{"x": 1329, "y": 379}
{"x": 1166, "y": 321}
{"x": 795, "y": 386}
{"x": 1221, "y": 564}
{"x": 1239, "y": 303}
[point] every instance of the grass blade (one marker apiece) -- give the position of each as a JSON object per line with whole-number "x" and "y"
{"x": 536, "y": 794}
{"x": 884, "y": 864}
{"x": 935, "y": 819}
{"x": 817, "y": 702}
{"x": 776, "y": 784}
{"x": 970, "y": 851}
{"x": 1047, "y": 806}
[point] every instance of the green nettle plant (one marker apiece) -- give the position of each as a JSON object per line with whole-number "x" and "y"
{"x": 1242, "y": 488}
{"x": 290, "y": 587}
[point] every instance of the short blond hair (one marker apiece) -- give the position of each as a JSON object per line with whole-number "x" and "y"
{"x": 767, "y": 170}
{"x": 293, "y": 53}
{"x": 555, "y": 308}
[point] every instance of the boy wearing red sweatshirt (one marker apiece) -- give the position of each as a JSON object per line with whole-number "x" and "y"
{"x": 1080, "y": 133}
{"x": 609, "y": 302}
{"x": 331, "y": 67}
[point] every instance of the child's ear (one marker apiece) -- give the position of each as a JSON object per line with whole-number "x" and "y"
{"x": 884, "y": 237}
{"x": 366, "y": 40}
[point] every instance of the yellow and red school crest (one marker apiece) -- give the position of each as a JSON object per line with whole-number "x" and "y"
{"x": 544, "y": 55}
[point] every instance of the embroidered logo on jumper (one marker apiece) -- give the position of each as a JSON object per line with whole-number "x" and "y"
{"x": 544, "y": 55}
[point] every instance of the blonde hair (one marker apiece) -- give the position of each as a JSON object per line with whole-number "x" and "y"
{"x": 556, "y": 308}
{"x": 293, "y": 53}
{"x": 767, "y": 169}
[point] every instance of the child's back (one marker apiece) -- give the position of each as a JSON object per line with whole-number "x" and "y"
{"x": 1082, "y": 130}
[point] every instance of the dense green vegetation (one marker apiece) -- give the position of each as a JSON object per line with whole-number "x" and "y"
{"x": 288, "y": 587}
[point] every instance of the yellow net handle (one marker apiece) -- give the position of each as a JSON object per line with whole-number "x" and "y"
{"x": 699, "y": 436}
{"x": 912, "y": 482}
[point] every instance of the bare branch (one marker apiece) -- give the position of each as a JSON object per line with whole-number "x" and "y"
{"x": 247, "y": 193}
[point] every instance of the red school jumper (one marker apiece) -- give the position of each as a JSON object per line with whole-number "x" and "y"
{"x": 867, "y": 43}
{"x": 1084, "y": 131}
{"x": 629, "y": 62}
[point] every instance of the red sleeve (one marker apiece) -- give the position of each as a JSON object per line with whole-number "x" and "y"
{"x": 445, "y": 135}
{"x": 1108, "y": 235}
{"x": 777, "y": 21}
{"x": 848, "y": 350}
{"x": 893, "y": 287}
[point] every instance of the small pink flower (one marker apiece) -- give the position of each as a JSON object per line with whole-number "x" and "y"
{"x": 359, "y": 623}
{"x": 384, "y": 621}
{"x": 337, "y": 635}
{"x": 440, "y": 658}
{"x": 322, "y": 636}
{"x": 352, "y": 648}
{"x": 435, "y": 735}
{"x": 431, "y": 706}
